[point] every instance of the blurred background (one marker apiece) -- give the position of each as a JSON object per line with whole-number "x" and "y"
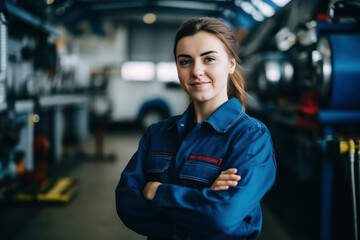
{"x": 80, "y": 80}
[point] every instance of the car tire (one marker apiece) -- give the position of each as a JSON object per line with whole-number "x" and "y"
{"x": 150, "y": 116}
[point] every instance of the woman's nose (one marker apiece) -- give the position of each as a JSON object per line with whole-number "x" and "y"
{"x": 198, "y": 69}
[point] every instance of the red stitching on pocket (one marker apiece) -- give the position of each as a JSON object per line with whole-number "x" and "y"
{"x": 208, "y": 159}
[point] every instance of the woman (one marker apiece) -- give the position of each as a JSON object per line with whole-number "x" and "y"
{"x": 184, "y": 180}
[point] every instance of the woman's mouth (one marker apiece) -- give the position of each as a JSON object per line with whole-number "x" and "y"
{"x": 199, "y": 84}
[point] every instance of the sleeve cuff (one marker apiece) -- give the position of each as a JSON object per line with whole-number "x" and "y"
{"x": 157, "y": 201}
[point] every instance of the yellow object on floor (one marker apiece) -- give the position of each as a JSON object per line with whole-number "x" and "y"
{"x": 56, "y": 190}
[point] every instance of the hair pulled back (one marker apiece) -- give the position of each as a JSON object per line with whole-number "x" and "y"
{"x": 236, "y": 83}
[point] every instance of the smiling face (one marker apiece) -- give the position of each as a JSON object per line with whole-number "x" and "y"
{"x": 203, "y": 67}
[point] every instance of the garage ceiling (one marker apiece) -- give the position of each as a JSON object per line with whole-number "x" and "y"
{"x": 242, "y": 13}
{"x": 132, "y": 11}
{"x": 251, "y": 15}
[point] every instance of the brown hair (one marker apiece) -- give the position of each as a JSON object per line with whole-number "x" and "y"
{"x": 236, "y": 85}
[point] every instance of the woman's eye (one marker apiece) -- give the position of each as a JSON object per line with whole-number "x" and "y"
{"x": 209, "y": 59}
{"x": 184, "y": 62}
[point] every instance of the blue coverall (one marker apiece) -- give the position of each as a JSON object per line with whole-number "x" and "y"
{"x": 187, "y": 157}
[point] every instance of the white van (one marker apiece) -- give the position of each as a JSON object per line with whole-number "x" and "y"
{"x": 143, "y": 91}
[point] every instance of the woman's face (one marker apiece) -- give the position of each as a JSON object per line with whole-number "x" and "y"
{"x": 203, "y": 67}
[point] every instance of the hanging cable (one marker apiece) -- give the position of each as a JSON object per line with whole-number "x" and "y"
{"x": 348, "y": 147}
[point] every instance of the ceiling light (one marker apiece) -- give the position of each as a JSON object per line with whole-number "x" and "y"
{"x": 263, "y": 7}
{"x": 149, "y": 18}
{"x": 247, "y": 7}
{"x": 281, "y": 3}
{"x": 251, "y": 10}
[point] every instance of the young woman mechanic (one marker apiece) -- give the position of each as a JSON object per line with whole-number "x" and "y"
{"x": 184, "y": 180}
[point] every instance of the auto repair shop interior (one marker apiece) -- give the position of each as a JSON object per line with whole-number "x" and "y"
{"x": 80, "y": 80}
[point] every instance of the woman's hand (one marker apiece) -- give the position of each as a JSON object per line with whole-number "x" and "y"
{"x": 226, "y": 179}
{"x": 149, "y": 190}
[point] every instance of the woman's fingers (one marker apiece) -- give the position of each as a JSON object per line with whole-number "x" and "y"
{"x": 229, "y": 174}
{"x": 150, "y": 189}
{"x": 226, "y": 179}
{"x": 220, "y": 188}
{"x": 230, "y": 170}
{"x": 225, "y": 183}
{"x": 229, "y": 177}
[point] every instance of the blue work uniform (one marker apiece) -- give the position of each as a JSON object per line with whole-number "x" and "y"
{"x": 187, "y": 157}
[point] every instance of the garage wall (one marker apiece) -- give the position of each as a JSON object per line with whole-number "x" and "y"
{"x": 151, "y": 43}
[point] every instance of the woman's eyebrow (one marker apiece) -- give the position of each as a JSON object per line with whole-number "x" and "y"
{"x": 202, "y": 54}
{"x": 183, "y": 55}
{"x": 208, "y": 52}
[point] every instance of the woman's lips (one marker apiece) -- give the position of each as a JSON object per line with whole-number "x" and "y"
{"x": 199, "y": 84}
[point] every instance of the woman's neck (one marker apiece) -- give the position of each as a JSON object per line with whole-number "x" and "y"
{"x": 204, "y": 109}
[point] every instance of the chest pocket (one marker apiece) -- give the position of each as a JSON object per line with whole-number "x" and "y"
{"x": 157, "y": 167}
{"x": 200, "y": 171}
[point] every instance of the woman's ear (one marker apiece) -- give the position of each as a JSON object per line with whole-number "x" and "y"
{"x": 232, "y": 65}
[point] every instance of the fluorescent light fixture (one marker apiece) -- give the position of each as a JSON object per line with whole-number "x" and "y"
{"x": 264, "y": 8}
{"x": 138, "y": 71}
{"x": 166, "y": 72}
{"x": 247, "y": 7}
{"x": 251, "y": 10}
{"x": 257, "y": 16}
{"x": 281, "y": 3}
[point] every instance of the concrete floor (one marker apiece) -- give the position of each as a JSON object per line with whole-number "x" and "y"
{"x": 91, "y": 214}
